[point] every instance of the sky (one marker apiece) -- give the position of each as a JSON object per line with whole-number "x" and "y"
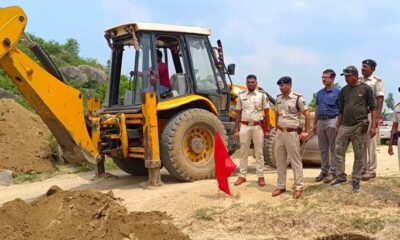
{"x": 296, "y": 38}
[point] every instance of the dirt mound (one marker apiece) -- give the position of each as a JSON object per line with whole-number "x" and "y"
{"x": 81, "y": 215}
{"x": 24, "y": 139}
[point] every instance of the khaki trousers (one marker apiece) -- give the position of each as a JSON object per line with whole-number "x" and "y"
{"x": 369, "y": 154}
{"x": 247, "y": 134}
{"x": 347, "y": 134}
{"x": 287, "y": 148}
{"x": 398, "y": 150}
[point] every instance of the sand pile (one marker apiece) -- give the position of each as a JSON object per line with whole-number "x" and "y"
{"x": 82, "y": 215}
{"x": 24, "y": 139}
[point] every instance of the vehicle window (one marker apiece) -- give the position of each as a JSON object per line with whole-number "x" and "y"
{"x": 204, "y": 70}
{"x": 387, "y": 117}
{"x": 143, "y": 71}
{"x": 173, "y": 81}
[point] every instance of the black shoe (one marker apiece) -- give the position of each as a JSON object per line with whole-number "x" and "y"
{"x": 368, "y": 176}
{"x": 329, "y": 178}
{"x": 355, "y": 185}
{"x": 321, "y": 177}
{"x": 338, "y": 182}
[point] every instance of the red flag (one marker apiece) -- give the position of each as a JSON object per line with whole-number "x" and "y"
{"x": 224, "y": 165}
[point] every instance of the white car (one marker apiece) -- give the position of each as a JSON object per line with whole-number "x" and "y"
{"x": 385, "y": 126}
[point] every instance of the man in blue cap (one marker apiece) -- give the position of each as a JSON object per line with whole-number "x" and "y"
{"x": 376, "y": 83}
{"x": 287, "y": 145}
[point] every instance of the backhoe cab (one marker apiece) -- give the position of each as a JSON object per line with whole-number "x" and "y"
{"x": 174, "y": 125}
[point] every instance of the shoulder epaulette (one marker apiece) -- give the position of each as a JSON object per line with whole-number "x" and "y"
{"x": 377, "y": 78}
{"x": 297, "y": 94}
{"x": 262, "y": 91}
{"x": 242, "y": 92}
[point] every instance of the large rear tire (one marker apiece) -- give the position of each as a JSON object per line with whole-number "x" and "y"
{"x": 133, "y": 166}
{"x": 187, "y": 144}
{"x": 269, "y": 156}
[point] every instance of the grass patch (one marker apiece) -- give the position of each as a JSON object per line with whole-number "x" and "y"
{"x": 395, "y": 181}
{"x": 33, "y": 177}
{"x": 27, "y": 178}
{"x": 315, "y": 188}
{"x": 84, "y": 167}
{"x": 208, "y": 214}
{"x": 53, "y": 150}
{"x": 322, "y": 213}
{"x": 109, "y": 164}
{"x": 368, "y": 224}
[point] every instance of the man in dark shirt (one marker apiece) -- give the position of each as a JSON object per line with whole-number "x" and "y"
{"x": 325, "y": 119}
{"x": 356, "y": 99}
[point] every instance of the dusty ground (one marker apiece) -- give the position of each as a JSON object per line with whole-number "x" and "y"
{"x": 200, "y": 211}
{"x": 22, "y": 129}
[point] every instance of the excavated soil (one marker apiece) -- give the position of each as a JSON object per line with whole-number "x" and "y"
{"x": 89, "y": 214}
{"x": 24, "y": 140}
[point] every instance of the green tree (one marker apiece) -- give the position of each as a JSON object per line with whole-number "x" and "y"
{"x": 337, "y": 85}
{"x": 313, "y": 103}
{"x": 72, "y": 47}
{"x": 389, "y": 101}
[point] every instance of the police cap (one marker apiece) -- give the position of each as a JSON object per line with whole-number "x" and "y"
{"x": 370, "y": 62}
{"x": 284, "y": 79}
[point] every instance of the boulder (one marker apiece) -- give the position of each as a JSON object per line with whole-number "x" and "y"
{"x": 6, "y": 177}
{"x": 6, "y": 94}
{"x": 74, "y": 74}
{"x": 81, "y": 75}
{"x": 94, "y": 74}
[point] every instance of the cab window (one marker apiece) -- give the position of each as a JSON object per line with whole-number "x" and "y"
{"x": 203, "y": 67}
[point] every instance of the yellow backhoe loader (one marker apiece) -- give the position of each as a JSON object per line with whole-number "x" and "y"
{"x": 141, "y": 128}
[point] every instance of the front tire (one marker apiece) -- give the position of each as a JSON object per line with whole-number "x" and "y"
{"x": 187, "y": 144}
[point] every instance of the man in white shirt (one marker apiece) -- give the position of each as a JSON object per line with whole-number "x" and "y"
{"x": 376, "y": 83}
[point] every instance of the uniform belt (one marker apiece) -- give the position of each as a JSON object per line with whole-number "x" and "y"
{"x": 251, "y": 123}
{"x": 284, "y": 129}
{"x": 326, "y": 117}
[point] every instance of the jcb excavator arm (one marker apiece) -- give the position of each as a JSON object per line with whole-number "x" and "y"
{"x": 60, "y": 106}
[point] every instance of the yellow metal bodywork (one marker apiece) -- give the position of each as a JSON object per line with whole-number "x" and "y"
{"x": 176, "y": 102}
{"x": 60, "y": 106}
{"x": 150, "y": 131}
{"x": 93, "y": 105}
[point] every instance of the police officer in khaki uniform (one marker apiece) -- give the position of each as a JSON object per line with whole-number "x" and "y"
{"x": 369, "y": 155}
{"x": 395, "y": 129}
{"x": 251, "y": 108}
{"x": 287, "y": 145}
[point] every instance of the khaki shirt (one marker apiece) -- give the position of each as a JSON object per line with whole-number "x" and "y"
{"x": 252, "y": 105}
{"x": 396, "y": 116}
{"x": 375, "y": 83}
{"x": 289, "y": 116}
